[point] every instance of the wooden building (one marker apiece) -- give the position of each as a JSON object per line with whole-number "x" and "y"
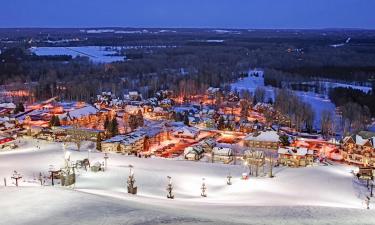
{"x": 359, "y": 149}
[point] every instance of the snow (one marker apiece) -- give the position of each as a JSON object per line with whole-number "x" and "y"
{"x": 8, "y": 105}
{"x": 97, "y": 54}
{"x": 311, "y": 195}
{"x": 81, "y": 112}
{"x": 295, "y": 151}
{"x": 318, "y": 102}
{"x": 271, "y": 136}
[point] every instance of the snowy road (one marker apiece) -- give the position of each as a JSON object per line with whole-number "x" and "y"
{"x": 315, "y": 195}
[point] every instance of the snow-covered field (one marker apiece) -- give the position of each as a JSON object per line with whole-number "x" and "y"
{"x": 314, "y": 195}
{"x": 96, "y": 54}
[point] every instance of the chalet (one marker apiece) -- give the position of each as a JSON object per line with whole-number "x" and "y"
{"x": 208, "y": 144}
{"x": 221, "y": 154}
{"x": 132, "y": 143}
{"x": 154, "y": 135}
{"x": 264, "y": 139}
{"x": 186, "y": 132}
{"x": 295, "y": 156}
{"x": 193, "y": 153}
{"x": 359, "y": 149}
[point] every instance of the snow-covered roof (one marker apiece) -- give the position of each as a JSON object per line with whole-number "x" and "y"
{"x": 131, "y": 108}
{"x": 222, "y": 151}
{"x": 185, "y": 131}
{"x": 81, "y": 112}
{"x": 8, "y": 105}
{"x": 269, "y": 136}
{"x": 127, "y": 139}
{"x": 295, "y": 151}
{"x": 196, "y": 150}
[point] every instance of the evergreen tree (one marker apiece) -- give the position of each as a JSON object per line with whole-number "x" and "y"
{"x": 133, "y": 122}
{"x": 106, "y": 123}
{"x": 186, "y": 118}
{"x": 98, "y": 142}
{"x": 19, "y": 108}
{"x": 114, "y": 127}
{"x": 54, "y": 121}
{"x": 221, "y": 123}
{"x": 284, "y": 140}
{"x": 140, "y": 120}
{"x": 57, "y": 121}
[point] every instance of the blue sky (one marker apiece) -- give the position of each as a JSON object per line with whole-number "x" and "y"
{"x": 189, "y": 13}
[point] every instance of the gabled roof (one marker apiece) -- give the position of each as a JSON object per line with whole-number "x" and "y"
{"x": 271, "y": 136}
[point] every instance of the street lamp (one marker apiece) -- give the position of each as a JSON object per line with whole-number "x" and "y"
{"x": 203, "y": 188}
{"x": 170, "y": 188}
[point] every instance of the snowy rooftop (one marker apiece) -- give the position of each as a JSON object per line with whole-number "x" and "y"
{"x": 271, "y": 136}
{"x": 295, "y": 151}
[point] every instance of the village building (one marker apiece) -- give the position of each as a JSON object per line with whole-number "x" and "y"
{"x": 359, "y": 149}
{"x": 263, "y": 140}
{"x": 185, "y": 132}
{"x": 208, "y": 144}
{"x": 222, "y": 154}
{"x": 193, "y": 153}
{"x": 295, "y": 156}
{"x": 154, "y": 136}
{"x": 6, "y": 142}
{"x": 132, "y": 143}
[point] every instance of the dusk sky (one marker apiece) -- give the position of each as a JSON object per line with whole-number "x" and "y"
{"x": 189, "y": 13}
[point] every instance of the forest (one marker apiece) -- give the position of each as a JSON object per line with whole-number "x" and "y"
{"x": 286, "y": 56}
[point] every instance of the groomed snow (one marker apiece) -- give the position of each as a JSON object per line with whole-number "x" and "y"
{"x": 313, "y": 195}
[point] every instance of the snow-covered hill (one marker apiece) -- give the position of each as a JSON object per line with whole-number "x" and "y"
{"x": 314, "y": 195}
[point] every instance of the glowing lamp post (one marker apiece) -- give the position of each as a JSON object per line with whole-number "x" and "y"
{"x": 203, "y": 188}
{"x": 170, "y": 188}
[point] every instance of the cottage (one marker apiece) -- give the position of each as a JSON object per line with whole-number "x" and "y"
{"x": 208, "y": 144}
{"x": 193, "y": 153}
{"x": 359, "y": 149}
{"x": 221, "y": 154}
{"x": 295, "y": 156}
{"x": 264, "y": 139}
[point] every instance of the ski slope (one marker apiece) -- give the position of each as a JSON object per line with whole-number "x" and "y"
{"x": 313, "y": 195}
